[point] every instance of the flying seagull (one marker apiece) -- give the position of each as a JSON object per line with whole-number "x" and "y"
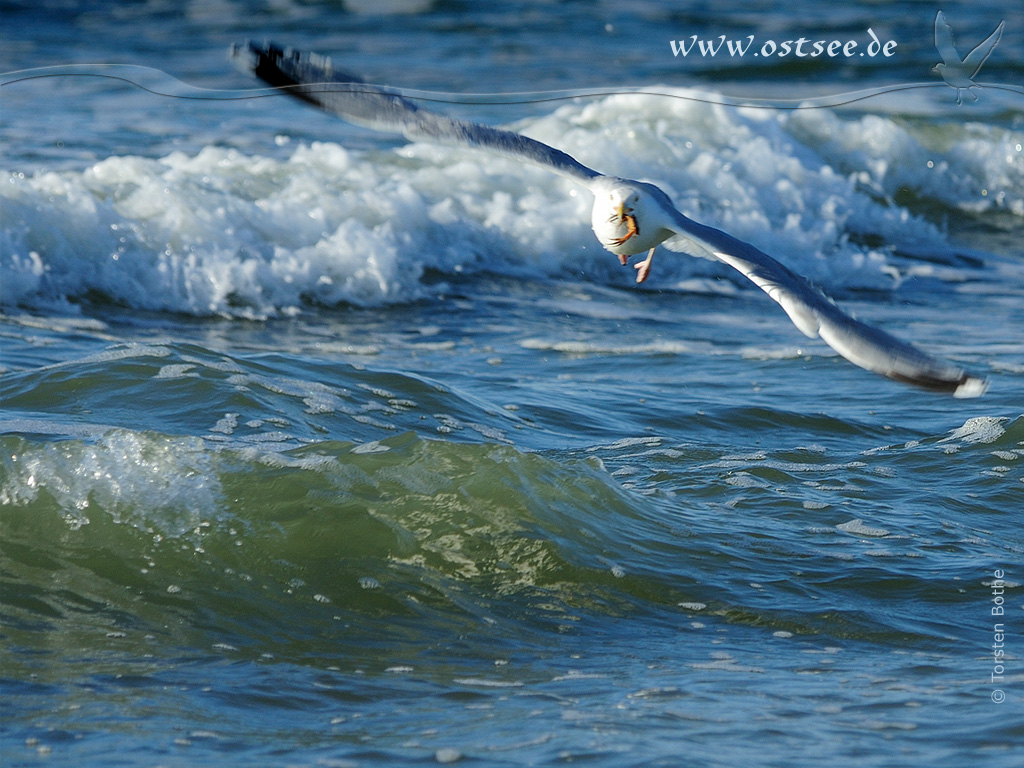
{"x": 629, "y": 217}
{"x": 959, "y": 74}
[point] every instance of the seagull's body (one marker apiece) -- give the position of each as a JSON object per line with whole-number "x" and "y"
{"x": 959, "y": 74}
{"x": 629, "y": 217}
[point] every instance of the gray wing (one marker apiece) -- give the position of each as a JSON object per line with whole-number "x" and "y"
{"x": 312, "y": 78}
{"x": 816, "y": 315}
{"x": 974, "y": 60}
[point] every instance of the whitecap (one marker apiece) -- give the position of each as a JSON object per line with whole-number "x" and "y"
{"x": 222, "y": 232}
{"x": 146, "y": 480}
{"x": 859, "y": 528}
{"x": 980, "y": 429}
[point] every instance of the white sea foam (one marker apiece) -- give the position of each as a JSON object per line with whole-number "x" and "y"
{"x": 142, "y": 479}
{"x": 659, "y": 347}
{"x": 980, "y": 429}
{"x": 971, "y": 166}
{"x": 227, "y": 233}
{"x": 859, "y": 528}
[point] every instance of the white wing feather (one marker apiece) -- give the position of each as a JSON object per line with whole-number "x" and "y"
{"x": 815, "y": 314}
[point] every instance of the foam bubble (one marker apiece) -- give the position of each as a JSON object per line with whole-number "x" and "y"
{"x": 981, "y": 429}
{"x": 141, "y": 479}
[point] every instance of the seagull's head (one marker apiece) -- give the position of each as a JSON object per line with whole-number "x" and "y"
{"x": 628, "y": 216}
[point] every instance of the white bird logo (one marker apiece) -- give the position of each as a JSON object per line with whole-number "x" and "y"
{"x": 958, "y": 73}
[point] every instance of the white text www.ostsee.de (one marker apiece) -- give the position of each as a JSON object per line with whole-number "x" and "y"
{"x": 801, "y": 48}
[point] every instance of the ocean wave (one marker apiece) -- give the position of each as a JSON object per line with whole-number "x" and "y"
{"x": 223, "y": 232}
{"x": 439, "y": 534}
{"x": 265, "y": 401}
{"x": 400, "y": 529}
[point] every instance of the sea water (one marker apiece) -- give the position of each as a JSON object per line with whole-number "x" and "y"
{"x": 321, "y": 447}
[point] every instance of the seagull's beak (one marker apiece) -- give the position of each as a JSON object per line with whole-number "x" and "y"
{"x": 623, "y": 210}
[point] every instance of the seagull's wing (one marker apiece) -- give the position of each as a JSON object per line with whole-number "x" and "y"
{"x": 974, "y": 60}
{"x": 944, "y": 41}
{"x": 816, "y": 315}
{"x": 311, "y": 78}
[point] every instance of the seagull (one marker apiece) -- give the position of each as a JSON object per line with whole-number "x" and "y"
{"x": 629, "y": 217}
{"x": 959, "y": 74}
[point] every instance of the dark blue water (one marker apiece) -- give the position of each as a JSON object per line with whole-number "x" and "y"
{"x": 320, "y": 448}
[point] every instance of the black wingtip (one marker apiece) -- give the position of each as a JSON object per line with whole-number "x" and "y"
{"x": 283, "y": 66}
{"x": 269, "y": 62}
{"x": 965, "y": 386}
